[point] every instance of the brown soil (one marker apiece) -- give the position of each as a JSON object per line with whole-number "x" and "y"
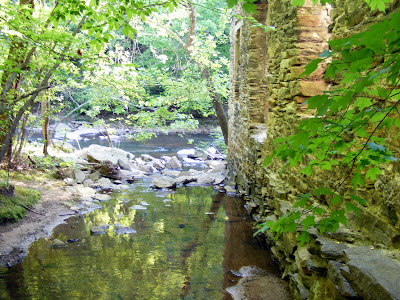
{"x": 50, "y": 211}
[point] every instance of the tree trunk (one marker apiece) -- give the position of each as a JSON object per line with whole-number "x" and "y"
{"x": 217, "y": 104}
{"x": 22, "y": 136}
{"x": 45, "y": 123}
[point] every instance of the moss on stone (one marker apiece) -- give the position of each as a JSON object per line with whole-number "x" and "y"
{"x": 12, "y": 208}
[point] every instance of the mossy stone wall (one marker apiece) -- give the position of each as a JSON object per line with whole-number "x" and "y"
{"x": 265, "y": 103}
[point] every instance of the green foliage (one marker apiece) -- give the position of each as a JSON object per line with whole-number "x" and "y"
{"x": 12, "y": 208}
{"x": 351, "y": 129}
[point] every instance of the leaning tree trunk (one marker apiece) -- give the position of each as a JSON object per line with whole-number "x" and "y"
{"x": 204, "y": 70}
{"x": 217, "y": 104}
{"x": 21, "y": 139}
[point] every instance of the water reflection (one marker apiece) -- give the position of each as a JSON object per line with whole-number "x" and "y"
{"x": 182, "y": 251}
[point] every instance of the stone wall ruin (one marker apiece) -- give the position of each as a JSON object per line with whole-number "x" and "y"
{"x": 360, "y": 260}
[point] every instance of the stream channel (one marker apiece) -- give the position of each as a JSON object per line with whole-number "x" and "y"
{"x": 186, "y": 243}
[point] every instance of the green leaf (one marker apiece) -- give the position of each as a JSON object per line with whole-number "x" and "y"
{"x": 304, "y": 238}
{"x": 336, "y": 200}
{"x": 362, "y": 201}
{"x": 358, "y": 179}
{"x": 231, "y": 3}
{"x": 352, "y": 207}
{"x": 308, "y": 222}
{"x": 303, "y": 200}
{"x": 311, "y": 67}
{"x": 327, "y": 53}
{"x": 307, "y": 171}
{"x": 269, "y": 159}
{"x": 318, "y": 211}
{"x": 376, "y": 147}
{"x": 298, "y": 2}
{"x": 339, "y": 216}
{"x": 300, "y": 139}
{"x": 322, "y": 191}
{"x": 362, "y": 103}
{"x": 250, "y": 8}
{"x": 391, "y": 158}
{"x": 377, "y": 4}
{"x": 372, "y": 173}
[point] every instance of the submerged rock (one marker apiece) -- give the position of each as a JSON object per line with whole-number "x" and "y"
{"x": 138, "y": 207}
{"x": 102, "y": 197}
{"x": 186, "y": 152}
{"x": 124, "y": 230}
{"x": 100, "y": 229}
{"x": 56, "y": 243}
{"x": 258, "y": 284}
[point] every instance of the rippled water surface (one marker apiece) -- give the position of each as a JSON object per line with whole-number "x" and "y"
{"x": 160, "y": 145}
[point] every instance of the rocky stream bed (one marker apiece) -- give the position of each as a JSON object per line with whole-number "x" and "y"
{"x": 125, "y": 209}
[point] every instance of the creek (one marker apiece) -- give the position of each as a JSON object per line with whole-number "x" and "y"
{"x": 186, "y": 244}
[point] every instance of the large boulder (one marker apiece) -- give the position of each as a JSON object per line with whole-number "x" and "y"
{"x": 158, "y": 164}
{"x": 98, "y": 154}
{"x": 125, "y": 175}
{"x": 79, "y": 176}
{"x": 147, "y": 158}
{"x": 123, "y": 165}
{"x": 109, "y": 170}
{"x": 217, "y": 166}
{"x": 172, "y": 163}
{"x": 161, "y": 182}
{"x": 81, "y": 191}
{"x": 205, "y": 178}
{"x": 171, "y": 173}
{"x": 372, "y": 274}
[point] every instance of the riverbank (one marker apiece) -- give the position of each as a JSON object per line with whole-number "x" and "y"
{"x": 51, "y": 210}
{"x": 93, "y": 169}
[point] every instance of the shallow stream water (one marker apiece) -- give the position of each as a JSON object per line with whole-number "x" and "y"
{"x": 186, "y": 245}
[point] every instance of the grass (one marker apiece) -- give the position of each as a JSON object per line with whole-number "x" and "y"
{"x": 12, "y": 207}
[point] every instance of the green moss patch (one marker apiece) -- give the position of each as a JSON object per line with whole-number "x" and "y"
{"x": 12, "y": 207}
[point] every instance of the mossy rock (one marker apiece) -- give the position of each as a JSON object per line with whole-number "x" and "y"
{"x": 12, "y": 207}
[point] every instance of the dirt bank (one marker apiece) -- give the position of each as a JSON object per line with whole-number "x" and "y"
{"x": 50, "y": 211}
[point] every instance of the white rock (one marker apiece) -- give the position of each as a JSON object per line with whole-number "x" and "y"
{"x": 164, "y": 182}
{"x": 102, "y": 197}
{"x": 186, "y": 152}
{"x": 138, "y": 207}
{"x": 97, "y": 153}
